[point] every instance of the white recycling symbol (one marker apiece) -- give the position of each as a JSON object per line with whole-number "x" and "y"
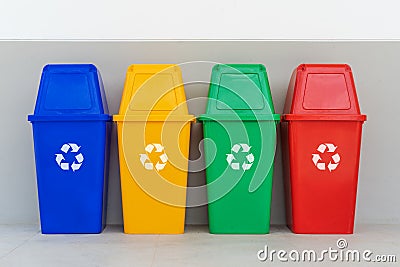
{"x": 145, "y": 160}
{"x": 76, "y": 164}
{"x": 335, "y": 158}
{"x": 242, "y": 148}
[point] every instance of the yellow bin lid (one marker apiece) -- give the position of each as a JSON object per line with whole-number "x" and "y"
{"x": 153, "y": 92}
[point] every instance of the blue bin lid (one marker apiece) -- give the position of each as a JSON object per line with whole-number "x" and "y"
{"x": 70, "y": 92}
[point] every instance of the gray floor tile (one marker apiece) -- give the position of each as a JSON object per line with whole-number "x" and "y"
{"x": 23, "y": 246}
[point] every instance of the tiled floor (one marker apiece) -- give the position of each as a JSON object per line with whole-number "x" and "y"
{"x": 25, "y": 246}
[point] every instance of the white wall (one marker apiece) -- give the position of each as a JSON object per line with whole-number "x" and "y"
{"x": 206, "y": 19}
{"x": 375, "y": 66}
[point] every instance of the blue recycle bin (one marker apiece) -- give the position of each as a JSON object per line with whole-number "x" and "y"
{"x": 71, "y": 133}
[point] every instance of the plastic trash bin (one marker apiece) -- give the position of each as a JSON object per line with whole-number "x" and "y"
{"x": 153, "y": 140}
{"x": 321, "y": 136}
{"x": 71, "y": 141}
{"x": 240, "y": 138}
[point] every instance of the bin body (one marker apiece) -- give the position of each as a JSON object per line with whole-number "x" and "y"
{"x": 321, "y": 138}
{"x": 240, "y": 125}
{"x": 71, "y": 143}
{"x": 153, "y": 140}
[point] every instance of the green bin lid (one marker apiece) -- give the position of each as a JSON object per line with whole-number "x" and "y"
{"x": 239, "y": 91}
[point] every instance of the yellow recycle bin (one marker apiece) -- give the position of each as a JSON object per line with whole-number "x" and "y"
{"x": 153, "y": 143}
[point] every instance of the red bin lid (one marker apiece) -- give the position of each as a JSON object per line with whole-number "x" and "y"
{"x": 322, "y": 92}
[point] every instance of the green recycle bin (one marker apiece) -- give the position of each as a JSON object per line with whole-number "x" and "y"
{"x": 239, "y": 145}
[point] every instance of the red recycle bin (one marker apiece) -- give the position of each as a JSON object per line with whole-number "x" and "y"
{"x": 321, "y": 138}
